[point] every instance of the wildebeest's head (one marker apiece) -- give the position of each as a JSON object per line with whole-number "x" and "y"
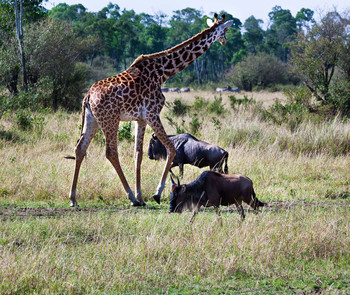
{"x": 156, "y": 149}
{"x": 182, "y": 197}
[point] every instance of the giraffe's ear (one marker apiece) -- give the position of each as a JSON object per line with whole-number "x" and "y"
{"x": 209, "y": 22}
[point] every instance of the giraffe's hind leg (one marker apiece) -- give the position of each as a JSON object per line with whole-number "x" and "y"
{"x": 112, "y": 155}
{"x": 89, "y": 130}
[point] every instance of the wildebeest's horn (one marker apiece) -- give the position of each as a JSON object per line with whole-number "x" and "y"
{"x": 172, "y": 180}
{"x": 178, "y": 181}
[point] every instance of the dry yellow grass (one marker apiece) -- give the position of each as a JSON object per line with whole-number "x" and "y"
{"x": 264, "y": 97}
{"x": 297, "y": 244}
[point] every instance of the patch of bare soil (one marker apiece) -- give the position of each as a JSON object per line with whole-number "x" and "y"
{"x": 12, "y": 212}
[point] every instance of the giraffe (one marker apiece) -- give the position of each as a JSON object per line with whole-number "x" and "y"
{"x": 135, "y": 95}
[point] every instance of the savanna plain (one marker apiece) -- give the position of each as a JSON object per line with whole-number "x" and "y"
{"x": 298, "y": 244}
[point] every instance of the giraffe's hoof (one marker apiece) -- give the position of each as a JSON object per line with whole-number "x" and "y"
{"x": 137, "y": 204}
{"x": 157, "y": 198}
{"x": 74, "y": 204}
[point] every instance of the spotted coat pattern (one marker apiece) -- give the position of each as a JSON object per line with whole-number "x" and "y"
{"x": 135, "y": 95}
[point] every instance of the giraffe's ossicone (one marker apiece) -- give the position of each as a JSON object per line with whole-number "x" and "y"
{"x": 135, "y": 95}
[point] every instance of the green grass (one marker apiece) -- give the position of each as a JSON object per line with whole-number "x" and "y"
{"x": 141, "y": 251}
{"x": 299, "y": 243}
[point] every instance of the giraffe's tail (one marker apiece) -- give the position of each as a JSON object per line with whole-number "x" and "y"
{"x": 83, "y": 107}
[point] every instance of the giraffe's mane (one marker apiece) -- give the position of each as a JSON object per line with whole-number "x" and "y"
{"x": 176, "y": 47}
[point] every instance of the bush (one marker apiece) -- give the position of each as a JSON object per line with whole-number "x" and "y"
{"x": 340, "y": 97}
{"x": 216, "y": 106}
{"x": 177, "y": 108}
{"x": 262, "y": 70}
{"x": 194, "y": 125}
{"x": 236, "y": 102}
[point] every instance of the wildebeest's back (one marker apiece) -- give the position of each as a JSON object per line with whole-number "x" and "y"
{"x": 225, "y": 189}
{"x": 201, "y": 153}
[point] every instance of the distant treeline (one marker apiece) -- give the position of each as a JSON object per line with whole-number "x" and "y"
{"x": 57, "y": 48}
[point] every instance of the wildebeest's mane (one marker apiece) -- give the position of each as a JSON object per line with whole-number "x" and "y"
{"x": 200, "y": 181}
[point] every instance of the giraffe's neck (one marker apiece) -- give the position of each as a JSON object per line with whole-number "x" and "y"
{"x": 179, "y": 58}
{"x": 174, "y": 60}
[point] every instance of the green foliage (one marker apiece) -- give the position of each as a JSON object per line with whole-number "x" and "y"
{"x": 340, "y": 97}
{"x": 318, "y": 54}
{"x": 125, "y": 132}
{"x": 236, "y": 102}
{"x": 260, "y": 69}
{"x": 216, "y": 106}
{"x": 24, "y": 120}
{"x": 177, "y": 108}
{"x": 178, "y": 127}
{"x": 194, "y": 125}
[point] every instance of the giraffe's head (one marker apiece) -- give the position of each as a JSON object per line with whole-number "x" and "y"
{"x": 221, "y": 27}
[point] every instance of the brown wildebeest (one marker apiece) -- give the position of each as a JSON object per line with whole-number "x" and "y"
{"x": 214, "y": 189}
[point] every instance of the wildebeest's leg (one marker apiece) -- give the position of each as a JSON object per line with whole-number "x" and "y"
{"x": 158, "y": 129}
{"x": 218, "y": 212}
{"x": 89, "y": 130}
{"x": 193, "y": 215}
{"x": 112, "y": 156}
{"x": 181, "y": 170}
{"x": 240, "y": 210}
{"x": 140, "y": 132}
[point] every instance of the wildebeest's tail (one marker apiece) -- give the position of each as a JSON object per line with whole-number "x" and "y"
{"x": 256, "y": 202}
{"x": 83, "y": 107}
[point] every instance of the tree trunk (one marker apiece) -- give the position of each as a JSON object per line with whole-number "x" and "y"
{"x": 19, "y": 34}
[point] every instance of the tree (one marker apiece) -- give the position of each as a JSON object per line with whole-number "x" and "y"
{"x": 254, "y": 34}
{"x": 53, "y": 50}
{"x": 19, "y": 35}
{"x": 304, "y": 18}
{"x": 281, "y": 31}
{"x": 317, "y": 54}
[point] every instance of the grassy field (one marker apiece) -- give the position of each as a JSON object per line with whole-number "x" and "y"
{"x": 298, "y": 244}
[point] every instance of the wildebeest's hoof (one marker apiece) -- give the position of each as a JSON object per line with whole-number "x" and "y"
{"x": 157, "y": 198}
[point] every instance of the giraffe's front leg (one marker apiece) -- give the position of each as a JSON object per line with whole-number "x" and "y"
{"x": 140, "y": 132}
{"x": 158, "y": 129}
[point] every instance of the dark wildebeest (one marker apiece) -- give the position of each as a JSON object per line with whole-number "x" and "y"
{"x": 190, "y": 150}
{"x": 214, "y": 189}
{"x": 228, "y": 88}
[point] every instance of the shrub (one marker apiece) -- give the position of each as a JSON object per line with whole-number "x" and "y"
{"x": 216, "y": 106}
{"x": 24, "y": 120}
{"x": 236, "y": 102}
{"x": 199, "y": 104}
{"x": 261, "y": 69}
{"x": 177, "y": 108}
{"x": 124, "y": 132}
{"x": 194, "y": 124}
